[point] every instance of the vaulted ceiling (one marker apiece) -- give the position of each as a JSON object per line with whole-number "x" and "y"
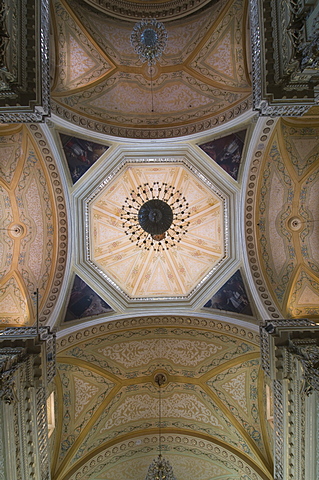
{"x": 201, "y": 81}
{"x": 213, "y": 411}
{"x": 192, "y": 313}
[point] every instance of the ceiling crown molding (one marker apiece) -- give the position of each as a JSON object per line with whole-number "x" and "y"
{"x": 133, "y": 10}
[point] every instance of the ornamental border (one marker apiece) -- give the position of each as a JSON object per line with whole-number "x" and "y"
{"x": 60, "y": 207}
{"x": 250, "y": 207}
{"x": 150, "y": 134}
{"x": 135, "y": 11}
{"x": 182, "y": 442}
{"x": 65, "y": 341}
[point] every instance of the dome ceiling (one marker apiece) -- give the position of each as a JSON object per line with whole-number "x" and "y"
{"x": 184, "y": 272}
{"x": 201, "y": 81}
{"x": 172, "y": 272}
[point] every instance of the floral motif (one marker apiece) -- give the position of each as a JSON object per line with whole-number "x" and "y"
{"x": 84, "y": 391}
{"x": 183, "y": 352}
{"x": 236, "y": 388}
{"x": 176, "y": 406}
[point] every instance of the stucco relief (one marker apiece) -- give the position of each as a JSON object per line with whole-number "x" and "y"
{"x": 191, "y": 447}
{"x": 10, "y": 151}
{"x": 145, "y": 407}
{"x": 236, "y": 387}
{"x": 6, "y": 242}
{"x": 13, "y": 305}
{"x": 183, "y": 352}
{"x": 78, "y": 60}
{"x": 128, "y": 9}
{"x": 167, "y": 324}
{"x": 84, "y": 391}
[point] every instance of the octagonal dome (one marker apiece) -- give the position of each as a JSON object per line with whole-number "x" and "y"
{"x": 140, "y": 273}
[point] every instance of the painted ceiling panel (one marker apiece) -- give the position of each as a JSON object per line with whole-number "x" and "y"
{"x": 80, "y": 154}
{"x": 238, "y": 389}
{"x": 84, "y": 302}
{"x": 214, "y": 423}
{"x": 232, "y": 297}
{"x": 309, "y": 212}
{"x": 161, "y": 9}
{"x": 13, "y": 304}
{"x": 178, "y": 448}
{"x": 227, "y": 151}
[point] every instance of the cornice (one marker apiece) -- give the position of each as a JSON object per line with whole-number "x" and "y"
{"x": 133, "y": 10}
{"x": 155, "y": 133}
{"x": 66, "y": 338}
{"x": 252, "y": 261}
{"x": 62, "y": 227}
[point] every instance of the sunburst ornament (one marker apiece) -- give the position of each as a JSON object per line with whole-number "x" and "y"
{"x": 148, "y": 39}
{"x": 155, "y": 216}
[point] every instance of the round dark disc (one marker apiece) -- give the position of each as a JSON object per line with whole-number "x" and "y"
{"x": 155, "y": 216}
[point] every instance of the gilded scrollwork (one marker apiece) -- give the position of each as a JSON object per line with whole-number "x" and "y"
{"x": 290, "y": 353}
{"x": 4, "y": 35}
{"x": 284, "y": 57}
{"x": 24, "y": 63}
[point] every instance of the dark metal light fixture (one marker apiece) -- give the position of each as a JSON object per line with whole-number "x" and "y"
{"x": 160, "y": 468}
{"x": 155, "y": 216}
{"x": 149, "y": 39}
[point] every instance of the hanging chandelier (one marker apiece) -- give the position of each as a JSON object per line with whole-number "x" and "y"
{"x": 155, "y": 216}
{"x": 160, "y": 468}
{"x": 148, "y": 39}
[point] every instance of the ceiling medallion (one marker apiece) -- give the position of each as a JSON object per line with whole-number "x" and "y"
{"x": 148, "y": 39}
{"x": 155, "y": 216}
{"x": 160, "y": 468}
